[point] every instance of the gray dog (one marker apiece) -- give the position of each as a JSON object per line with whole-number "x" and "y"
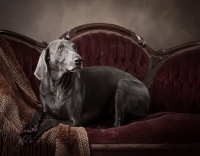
{"x": 79, "y": 96}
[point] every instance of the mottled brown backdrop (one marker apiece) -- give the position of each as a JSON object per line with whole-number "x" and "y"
{"x": 162, "y": 23}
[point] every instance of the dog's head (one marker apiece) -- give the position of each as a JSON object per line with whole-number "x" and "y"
{"x": 60, "y": 55}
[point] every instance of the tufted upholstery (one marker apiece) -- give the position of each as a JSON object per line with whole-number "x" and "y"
{"x": 27, "y": 57}
{"x": 174, "y": 91}
{"x": 104, "y": 48}
{"x": 175, "y": 99}
{"x": 178, "y": 83}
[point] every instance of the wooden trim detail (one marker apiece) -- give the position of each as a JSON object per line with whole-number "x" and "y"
{"x": 23, "y": 38}
{"x": 143, "y": 146}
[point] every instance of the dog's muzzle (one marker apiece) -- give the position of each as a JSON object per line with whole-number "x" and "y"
{"x": 78, "y": 61}
{"x": 77, "y": 64}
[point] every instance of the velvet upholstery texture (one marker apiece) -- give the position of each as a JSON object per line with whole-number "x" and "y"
{"x": 157, "y": 128}
{"x": 104, "y": 48}
{"x": 174, "y": 92}
{"x": 178, "y": 83}
{"x": 27, "y": 57}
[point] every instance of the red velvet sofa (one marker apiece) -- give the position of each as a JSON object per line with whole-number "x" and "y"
{"x": 172, "y": 77}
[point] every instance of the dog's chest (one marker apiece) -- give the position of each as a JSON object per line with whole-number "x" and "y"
{"x": 61, "y": 99}
{"x": 60, "y": 102}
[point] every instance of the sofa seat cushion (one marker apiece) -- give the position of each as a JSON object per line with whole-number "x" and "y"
{"x": 158, "y": 128}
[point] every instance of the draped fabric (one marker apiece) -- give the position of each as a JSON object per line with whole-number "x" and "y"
{"x": 17, "y": 104}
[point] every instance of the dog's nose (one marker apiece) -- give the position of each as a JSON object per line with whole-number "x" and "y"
{"x": 78, "y": 60}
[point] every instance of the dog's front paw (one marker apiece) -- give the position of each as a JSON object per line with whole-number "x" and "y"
{"x": 29, "y": 131}
{"x": 30, "y": 127}
{"x": 28, "y": 138}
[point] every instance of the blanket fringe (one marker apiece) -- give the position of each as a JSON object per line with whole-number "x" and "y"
{"x": 40, "y": 148}
{"x": 9, "y": 136}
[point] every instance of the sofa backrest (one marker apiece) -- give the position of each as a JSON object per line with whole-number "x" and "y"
{"x": 172, "y": 76}
{"x": 111, "y": 45}
{"x": 176, "y": 85}
{"x": 27, "y": 52}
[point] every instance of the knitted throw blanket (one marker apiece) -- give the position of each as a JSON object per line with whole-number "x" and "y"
{"x": 17, "y": 104}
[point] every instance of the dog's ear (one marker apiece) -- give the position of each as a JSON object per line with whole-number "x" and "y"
{"x": 41, "y": 69}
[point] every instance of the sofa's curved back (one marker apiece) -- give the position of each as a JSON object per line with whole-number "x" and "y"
{"x": 111, "y": 45}
{"x": 176, "y": 86}
{"x": 175, "y": 73}
{"x": 27, "y": 52}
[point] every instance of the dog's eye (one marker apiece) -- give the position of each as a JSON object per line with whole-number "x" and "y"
{"x": 60, "y": 48}
{"x": 74, "y": 46}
